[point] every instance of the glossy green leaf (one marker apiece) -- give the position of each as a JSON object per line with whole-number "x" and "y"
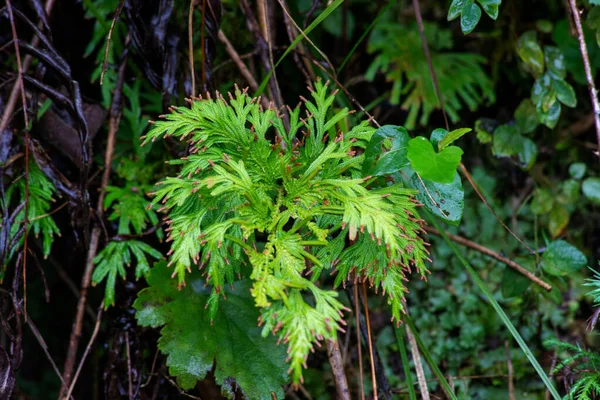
{"x": 569, "y": 192}
{"x": 438, "y": 167}
{"x": 562, "y": 258}
{"x": 542, "y": 202}
{"x": 507, "y": 141}
{"x": 445, "y": 200}
{"x": 452, "y": 136}
{"x": 564, "y": 93}
{"x": 526, "y": 117}
{"x": 436, "y": 137}
{"x": 528, "y": 155}
{"x": 469, "y": 17}
{"x": 387, "y": 151}
{"x": 530, "y": 52}
{"x": 491, "y": 7}
{"x": 591, "y": 189}
{"x": 577, "y": 170}
{"x": 555, "y": 62}
{"x": 193, "y": 343}
{"x": 515, "y": 283}
{"x": 455, "y": 9}
{"x": 550, "y": 118}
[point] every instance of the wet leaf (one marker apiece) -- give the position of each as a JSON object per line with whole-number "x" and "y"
{"x": 555, "y": 62}
{"x": 192, "y": 342}
{"x": 470, "y": 16}
{"x": 530, "y": 52}
{"x": 387, "y": 151}
{"x": 445, "y": 200}
{"x": 507, "y": 141}
{"x": 455, "y": 9}
{"x": 559, "y": 219}
{"x": 491, "y": 7}
{"x": 515, "y": 283}
{"x": 564, "y": 92}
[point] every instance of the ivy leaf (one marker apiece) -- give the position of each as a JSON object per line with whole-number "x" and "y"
{"x": 591, "y": 189}
{"x": 445, "y": 200}
{"x": 438, "y": 167}
{"x": 452, "y": 136}
{"x": 562, "y": 258}
{"x": 469, "y": 17}
{"x": 564, "y": 92}
{"x": 386, "y": 152}
{"x": 491, "y": 7}
{"x": 530, "y": 52}
{"x": 193, "y": 343}
{"x": 455, "y": 9}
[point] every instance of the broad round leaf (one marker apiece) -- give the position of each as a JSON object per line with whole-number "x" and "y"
{"x": 577, "y": 170}
{"x": 591, "y": 189}
{"x": 439, "y": 167}
{"x": 562, "y": 258}
{"x": 193, "y": 343}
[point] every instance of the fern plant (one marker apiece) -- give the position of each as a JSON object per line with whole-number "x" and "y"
{"x": 280, "y": 204}
{"x": 462, "y": 80}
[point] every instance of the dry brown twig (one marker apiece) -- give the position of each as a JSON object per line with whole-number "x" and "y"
{"x": 484, "y": 250}
{"x": 115, "y": 118}
{"x": 337, "y": 367}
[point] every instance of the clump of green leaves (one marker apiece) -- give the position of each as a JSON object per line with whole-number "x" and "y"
{"x": 272, "y": 200}
{"x": 462, "y": 80}
{"x": 470, "y": 12}
{"x": 550, "y": 89}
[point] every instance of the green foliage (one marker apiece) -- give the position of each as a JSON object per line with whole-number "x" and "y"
{"x": 562, "y": 258}
{"x": 436, "y": 166}
{"x": 112, "y": 260}
{"x": 581, "y": 363}
{"x": 462, "y": 80}
{"x": 194, "y": 340}
{"x": 284, "y": 206}
{"x": 594, "y": 282}
{"x": 41, "y": 197}
{"x": 470, "y": 12}
{"x": 550, "y": 89}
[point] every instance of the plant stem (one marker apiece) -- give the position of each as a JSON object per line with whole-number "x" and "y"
{"x": 335, "y": 359}
{"x": 588, "y": 70}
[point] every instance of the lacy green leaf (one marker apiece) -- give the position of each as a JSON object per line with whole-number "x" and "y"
{"x": 193, "y": 342}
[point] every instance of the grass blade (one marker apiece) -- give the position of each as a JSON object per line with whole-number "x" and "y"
{"x": 429, "y": 359}
{"x": 405, "y": 365}
{"x": 298, "y": 39}
{"x": 365, "y": 33}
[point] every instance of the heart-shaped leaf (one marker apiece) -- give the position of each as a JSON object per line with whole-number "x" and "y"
{"x": 386, "y": 152}
{"x": 438, "y": 167}
{"x": 445, "y": 200}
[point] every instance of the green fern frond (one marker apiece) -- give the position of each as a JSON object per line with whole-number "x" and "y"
{"x": 461, "y": 79}
{"x": 286, "y": 205}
